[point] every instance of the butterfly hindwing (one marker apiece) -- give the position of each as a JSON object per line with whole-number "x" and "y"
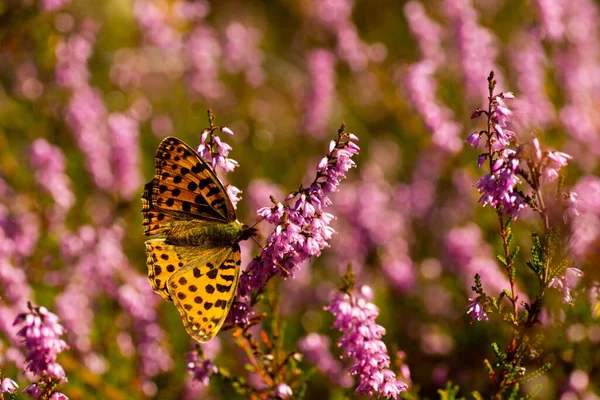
{"x": 185, "y": 186}
{"x": 164, "y": 259}
{"x": 204, "y": 290}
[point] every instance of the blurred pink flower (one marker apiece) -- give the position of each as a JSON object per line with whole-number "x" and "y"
{"x": 321, "y": 67}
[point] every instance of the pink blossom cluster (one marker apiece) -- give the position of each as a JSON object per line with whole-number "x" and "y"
{"x": 301, "y": 230}
{"x": 361, "y": 342}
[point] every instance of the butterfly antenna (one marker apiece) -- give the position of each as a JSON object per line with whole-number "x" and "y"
{"x": 258, "y": 222}
{"x": 258, "y": 244}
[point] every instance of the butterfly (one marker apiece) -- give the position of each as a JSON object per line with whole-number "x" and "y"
{"x": 193, "y": 256}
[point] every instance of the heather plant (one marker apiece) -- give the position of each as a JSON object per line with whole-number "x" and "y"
{"x": 391, "y": 262}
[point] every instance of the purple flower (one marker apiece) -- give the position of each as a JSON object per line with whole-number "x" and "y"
{"x": 86, "y": 117}
{"x": 154, "y": 25}
{"x": 498, "y": 188}
{"x": 8, "y": 386}
{"x": 477, "y": 46}
{"x": 553, "y": 162}
{"x": 283, "y": 391}
{"x": 200, "y": 368}
{"x": 476, "y": 310}
{"x": 321, "y": 67}
{"x": 473, "y": 139}
{"x": 315, "y": 348}
{"x": 427, "y": 32}
{"x": 420, "y": 85}
{"x": 534, "y": 108}
{"x": 72, "y": 56}
{"x": 203, "y": 50}
{"x": 53, "y": 5}
{"x": 566, "y": 283}
{"x": 215, "y": 151}
{"x": 500, "y": 117}
{"x": 41, "y": 333}
{"x": 242, "y": 54}
{"x": 124, "y": 136}
{"x": 572, "y": 207}
{"x": 361, "y": 342}
{"x": 49, "y": 164}
{"x": 301, "y": 230}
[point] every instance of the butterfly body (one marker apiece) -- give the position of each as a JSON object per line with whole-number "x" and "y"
{"x": 193, "y": 257}
{"x": 205, "y": 235}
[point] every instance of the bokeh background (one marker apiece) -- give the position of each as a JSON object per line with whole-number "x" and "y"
{"x": 88, "y": 90}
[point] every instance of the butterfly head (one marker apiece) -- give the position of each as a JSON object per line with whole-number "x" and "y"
{"x": 247, "y": 232}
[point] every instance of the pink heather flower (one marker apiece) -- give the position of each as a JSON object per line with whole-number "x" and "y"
{"x": 361, "y": 342}
{"x": 469, "y": 252}
{"x": 58, "y": 396}
{"x": 53, "y": 5}
{"x": 551, "y": 13}
{"x": 49, "y": 164}
{"x": 86, "y": 117}
{"x": 215, "y": 152}
{"x": 476, "y": 310}
{"x": 242, "y": 53}
{"x": 126, "y": 154}
{"x": 500, "y": 117}
{"x": 536, "y": 149}
{"x": 571, "y": 207}
{"x": 477, "y": 46}
{"x": 26, "y": 82}
{"x": 234, "y": 194}
{"x": 203, "y": 50}
{"x": 498, "y": 188}
{"x": 473, "y": 139}
{"x": 34, "y": 391}
{"x": 72, "y": 56}
{"x": 566, "y": 283}
{"x": 8, "y": 386}
{"x": 534, "y": 108}
{"x": 420, "y": 86}
{"x": 41, "y": 331}
{"x": 554, "y": 161}
{"x": 321, "y": 68}
{"x": 155, "y": 26}
{"x": 315, "y": 348}
{"x": 283, "y": 391}
{"x": 200, "y": 368}
{"x": 301, "y": 230}
{"x": 427, "y": 32}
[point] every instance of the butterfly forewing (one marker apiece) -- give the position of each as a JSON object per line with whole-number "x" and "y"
{"x": 185, "y": 186}
{"x": 203, "y": 291}
{"x": 155, "y": 222}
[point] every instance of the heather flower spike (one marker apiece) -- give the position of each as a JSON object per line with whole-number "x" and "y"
{"x": 301, "y": 230}
{"x": 361, "y": 342}
{"x": 40, "y": 331}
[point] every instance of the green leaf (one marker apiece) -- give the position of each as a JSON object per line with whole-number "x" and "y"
{"x": 515, "y": 392}
{"x": 514, "y": 254}
{"x": 537, "y": 373}
{"x": 502, "y": 259}
{"x": 533, "y": 267}
{"x": 559, "y": 270}
{"x": 476, "y": 395}
{"x": 497, "y": 352}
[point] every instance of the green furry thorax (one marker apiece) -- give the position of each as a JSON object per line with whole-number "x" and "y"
{"x": 205, "y": 234}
